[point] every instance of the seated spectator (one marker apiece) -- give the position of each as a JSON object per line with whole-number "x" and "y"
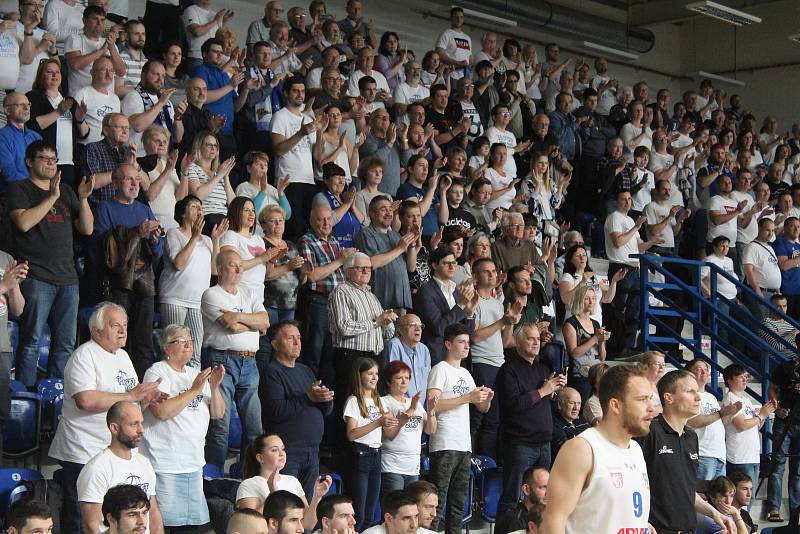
{"x": 29, "y": 516}
{"x": 290, "y": 393}
{"x": 257, "y": 188}
{"x": 285, "y": 276}
{"x": 742, "y": 497}
{"x": 721, "y": 493}
{"x": 136, "y": 233}
{"x": 452, "y": 388}
{"x": 175, "y": 430}
{"x": 119, "y": 463}
{"x": 52, "y": 114}
{"x": 247, "y": 520}
{"x": 567, "y": 420}
{"x": 164, "y": 186}
{"x": 264, "y": 460}
{"x": 534, "y": 494}
{"x": 776, "y": 330}
{"x": 335, "y": 512}
{"x": 655, "y": 367}
{"x": 585, "y": 339}
{"x": 592, "y": 411}
{"x": 82, "y": 49}
{"x": 427, "y": 497}
{"x": 284, "y": 512}
{"x": 126, "y": 508}
{"x": 347, "y": 217}
{"x": 400, "y": 514}
{"x": 15, "y": 137}
{"x": 401, "y": 449}
{"x": 209, "y": 180}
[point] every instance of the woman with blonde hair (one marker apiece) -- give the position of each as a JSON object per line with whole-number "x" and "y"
{"x": 209, "y": 179}
{"x": 585, "y": 339}
{"x": 655, "y": 366}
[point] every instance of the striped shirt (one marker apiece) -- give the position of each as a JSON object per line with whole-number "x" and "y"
{"x": 772, "y": 327}
{"x": 217, "y": 199}
{"x": 133, "y": 66}
{"x": 351, "y": 319}
{"x": 318, "y": 252}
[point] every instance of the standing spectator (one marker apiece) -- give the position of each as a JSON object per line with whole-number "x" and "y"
{"x": 407, "y": 348}
{"x": 105, "y": 156}
{"x": 347, "y": 216}
{"x": 665, "y": 219}
{"x": 511, "y": 250}
{"x": 584, "y": 338}
{"x": 783, "y": 391}
{"x": 787, "y": 249}
{"x": 411, "y": 89}
{"x": 137, "y": 235}
{"x": 201, "y": 25}
{"x": 98, "y": 374}
{"x": 291, "y": 393}
{"x": 761, "y": 268}
{"x": 452, "y": 389}
{"x": 708, "y": 425}
{"x": 356, "y": 23}
{"x": 724, "y": 214}
{"x": 499, "y": 133}
{"x": 365, "y": 61}
{"x": 565, "y": 127}
{"x": 636, "y": 132}
{"x": 401, "y": 448}
{"x": 99, "y": 99}
{"x": 196, "y": 119}
{"x": 262, "y": 193}
{"x": 190, "y": 258}
{"x": 233, "y": 318}
{"x": 605, "y": 85}
{"x": 524, "y": 390}
{"x": 358, "y": 324}
{"x": 176, "y": 76}
{"x": 259, "y": 29}
{"x": 62, "y": 18}
{"x": 254, "y": 118}
{"x": 13, "y": 274}
{"x": 440, "y": 303}
{"x": 382, "y": 142}
{"x": 387, "y": 250}
{"x": 175, "y": 430}
{"x": 293, "y": 136}
{"x": 164, "y": 186}
{"x": 162, "y": 21}
{"x": 567, "y": 420}
{"x": 45, "y": 214}
{"x": 284, "y": 277}
{"x": 391, "y": 60}
{"x": 15, "y": 137}
{"x": 454, "y": 46}
{"x": 504, "y": 184}
{"x": 60, "y": 121}
{"x": 210, "y": 180}
{"x": 133, "y": 56}
{"x": 82, "y": 49}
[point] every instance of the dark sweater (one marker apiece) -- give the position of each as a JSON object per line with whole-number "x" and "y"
{"x": 525, "y": 416}
{"x": 286, "y": 409}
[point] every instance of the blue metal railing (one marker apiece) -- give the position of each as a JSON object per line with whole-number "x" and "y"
{"x": 712, "y": 315}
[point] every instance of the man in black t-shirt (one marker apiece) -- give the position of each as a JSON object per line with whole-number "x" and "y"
{"x": 741, "y": 499}
{"x": 44, "y": 213}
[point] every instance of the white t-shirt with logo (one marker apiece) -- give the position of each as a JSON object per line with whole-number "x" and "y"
{"x": 248, "y": 248}
{"x": 402, "y": 454}
{"x": 27, "y": 73}
{"x": 215, "y": 300}
{"x": 297, "y": 163}
{"x": 405, "y": 94}
{"x": 257, "y": 487}
{"x": 351, "y": 410}
{"x": 9, "y": 60}
{"x": 507, "y": 138}
{"x": 78, "y": 42}
{"x": 185, "y": 287}
{"x": 765, "y": 264}
{"x": 107, "y": 470}
{"x": 458, "y": 46}
{"x": 197, "y": 15}
{"x": 743, "y": 447}
{"x": 176, "y": 445}
{"x": 82, "y": 434}
{"x": 711, "y": 437}
{"x": 98, "y": 105}
{"x": 452, "y": 431}
{"x": 725, "y": 287}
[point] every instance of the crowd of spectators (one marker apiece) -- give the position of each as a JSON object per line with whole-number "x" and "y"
{"x": 369, "y": 253}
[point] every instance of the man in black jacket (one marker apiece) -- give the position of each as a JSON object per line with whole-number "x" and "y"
{"x": 567, "y": 420}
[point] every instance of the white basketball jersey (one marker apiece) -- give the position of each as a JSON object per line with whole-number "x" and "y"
{"x": 617, "y": 498}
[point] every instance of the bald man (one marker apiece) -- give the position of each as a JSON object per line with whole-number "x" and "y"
{"x": 567, "y": 421}
{"x": 407, "y": 348}
{"x": 14, "y": 139}
{"x": 246, "y": 521}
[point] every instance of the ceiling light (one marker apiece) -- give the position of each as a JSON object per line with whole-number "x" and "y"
{"x": 487, "y": 17}
{"x": 723, "y": 79}
{"x": 610, "y": 51}
{"x": 724, "y": 13}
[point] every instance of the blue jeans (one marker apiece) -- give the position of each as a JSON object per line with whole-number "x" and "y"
{"x": 709, "y": 468}
{"x": 485, "y": 426}
{"x": 517, "y": 458}
{"x": 395, "y": 481}
{"x": 750, "y": 470}
{"x": 303, "y": 464}
{"x": 365, "y": 483}
{"x": 790, "y": 447}
{"x": 240, "y": 385}
{"x": 45, "y": 301}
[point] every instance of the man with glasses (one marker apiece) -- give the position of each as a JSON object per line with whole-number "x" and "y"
{"x": 102, "y": 157}
{"x": 100, "y": 100}
{"x": 301, "y": 33}
{"x": 45, "y": 214}
{"x": 14, "y": 140}
{"x": 411, "y": 90}
{"x": 82, "y": 49}
{"x": 34, "y": 43}
{"x": 406, "y": 347}
{"x": 511, "y": 250}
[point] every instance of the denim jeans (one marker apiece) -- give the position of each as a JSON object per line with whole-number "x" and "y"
{"x": 42, "y": 302}
{"x": 450, "y": 474}
{"x": 303, "y": 464}
{"x": 517, "y": 458}
{"x": 485, "y": 426}
{"x": 395, "y": 481}
{"x": 240, "y": 385}
{"x": 790, "y": 447}
{"x": 365, "y": 483}
{"x": 709, "y": 468}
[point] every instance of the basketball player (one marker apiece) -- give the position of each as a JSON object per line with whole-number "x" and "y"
{"x": 602, "y": 469}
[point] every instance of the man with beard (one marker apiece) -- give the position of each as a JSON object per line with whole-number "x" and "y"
{"x": 671, "y": 451}
{"x": 196, "y": 119}
{"x": 126, "y": 509}
{"x": 120, "y": 463}
{"x": 534, "y": 494}
{"x": 411, "y": 90}
{"x": 133, "y": 56}
{"x": 603, "y": 469}
{"x": 149, "y": 103}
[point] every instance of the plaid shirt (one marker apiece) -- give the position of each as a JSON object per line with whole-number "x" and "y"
{"x": 318, "y": 253}
{"x": 102, "y": 157}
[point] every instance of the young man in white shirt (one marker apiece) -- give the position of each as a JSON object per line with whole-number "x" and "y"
{"x": 664, "y": 219}
{"x": 120, "y": 463}
{"x": 400, "y": 515}
{"x": 82, "y": 49}
{"x": 126, "y": 510}
{"x": 454, "y": 46}
{"x": 201, "y": 24}
{"x": 452, "y": 389}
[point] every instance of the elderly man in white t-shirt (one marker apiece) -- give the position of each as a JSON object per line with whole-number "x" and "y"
{"x": 233, "y": 319}
{"x": 760, "y": 266}
{"x": 98, "y": 374}
{"x": 119, "y": 463}
{"x": 622, "y": 245}
{"x": 724, "y": 211}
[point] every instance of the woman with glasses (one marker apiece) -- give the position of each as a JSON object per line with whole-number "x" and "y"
{"x": 58, "y": 119}
{"x": 742, "y": 437}
{"x": 655, "y": 367}
{"x": 209, "y": 179}
{"x": 175, "y": 429}
{"x": 283, "y": 279}
{"x": 189, "y": 261}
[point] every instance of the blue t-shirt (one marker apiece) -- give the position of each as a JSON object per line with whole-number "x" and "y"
{"x": 430, "y": 222}
{"x": 216, "y": 78}
{"x": 790, "y": 280}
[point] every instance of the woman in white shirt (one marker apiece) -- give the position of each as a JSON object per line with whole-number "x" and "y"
{"x": 256, "y": 187}
{"x": 503, "y": 184}
{"x": 577, "y": 271}
{"x": 165, "y": 187}
{"x": 189, "y": 261}
{"x": 208, "y": 178}
{"x": 175, "y": 429}
{"x": 261, "y": 475}
{"x": 637, "y": 132}
{"x": 402, "y": 444}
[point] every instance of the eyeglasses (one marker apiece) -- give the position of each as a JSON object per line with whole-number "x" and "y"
{"x": 448, "y": 263}
{"x": 20, "y": 104}
{"x": 119, "y": 127}
{"x": 47, "y": 159}
{"x": 181, "y": 341}
{"x": 505, "y": 113}
{"x": 660, "y": 365}
{"x": 515, "y": 226}
{"x": 416, "y": 325}
{"x": 331, "y": 79}
{"x": 362, "y": 269}
{"x": 210, "y": 145}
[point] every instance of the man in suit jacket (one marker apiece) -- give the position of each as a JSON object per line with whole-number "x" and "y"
{"x": 439, "y": 303}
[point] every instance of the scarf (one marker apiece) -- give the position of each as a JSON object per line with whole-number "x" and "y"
{"x": 166, "y": 114}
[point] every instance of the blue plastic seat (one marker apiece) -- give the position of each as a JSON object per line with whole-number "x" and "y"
{"x": 336, "y": 486}
{"x": 44, "y": 350}
{"x": 15, "y": 386}
{"x": 51, "y": 390}
{"x": 21, "y": 431}
{"x": 490, "y": 489}
{"x": 212, "y": 471}
{"x": 10, "y": 479}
